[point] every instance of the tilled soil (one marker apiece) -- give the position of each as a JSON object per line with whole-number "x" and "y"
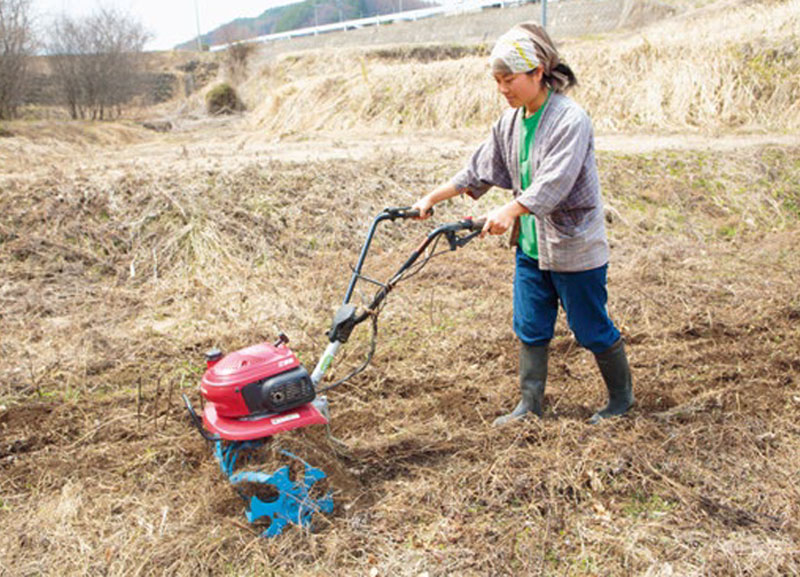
{"x": 114, "y": 282}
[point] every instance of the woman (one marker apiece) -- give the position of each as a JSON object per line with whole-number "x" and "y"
{"x": 542, "y": 148}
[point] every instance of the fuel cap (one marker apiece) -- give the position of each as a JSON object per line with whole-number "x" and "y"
{"x": 213, "y": 355}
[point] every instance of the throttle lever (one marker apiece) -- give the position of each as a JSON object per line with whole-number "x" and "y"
{"x": 459, "y": 241}
{"x": 455, "y": 241}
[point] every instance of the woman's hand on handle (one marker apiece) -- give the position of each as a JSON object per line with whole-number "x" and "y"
{"x": 499, "y": 220}
{"x": 423, "y": 205}
{"x": 434, "y": 197}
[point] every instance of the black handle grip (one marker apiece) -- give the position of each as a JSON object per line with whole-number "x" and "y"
{"x": 474, "y": 224}
{"x": 415, "y": 213}
{"x": 402, "y": 212}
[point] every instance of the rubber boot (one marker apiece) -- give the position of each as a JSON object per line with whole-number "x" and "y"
{"x": 532, "y": 378}
{"x": 613, "y": 364}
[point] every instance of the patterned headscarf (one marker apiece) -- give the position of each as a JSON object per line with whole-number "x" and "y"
{"x": 513, "y": 52}
{"x": 525, "y": 47}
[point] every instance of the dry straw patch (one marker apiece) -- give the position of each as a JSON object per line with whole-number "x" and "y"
{"x": 41, "y": 145}
{"x": 727, "y": 66}
{"x": 114, "y": 284}
{"x": 354, "y": 89}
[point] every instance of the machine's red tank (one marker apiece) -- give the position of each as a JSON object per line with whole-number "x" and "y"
{"x": 223, "y": 381}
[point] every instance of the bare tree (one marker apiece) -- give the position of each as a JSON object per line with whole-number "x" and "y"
{"x": 68, "y": 46}
{"x": 17, "y": 44}
{"x": 96, "y": 62}
{"x": 237, "y": 54}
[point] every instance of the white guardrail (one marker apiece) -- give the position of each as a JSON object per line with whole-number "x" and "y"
{"x": 408, "y": 15}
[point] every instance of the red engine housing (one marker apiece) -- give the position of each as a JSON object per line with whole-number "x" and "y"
{"x": 225, "y": 379}
{"x": 232, "y": 384}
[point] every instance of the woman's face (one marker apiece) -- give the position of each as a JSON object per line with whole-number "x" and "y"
{"x": 520, "y": 89}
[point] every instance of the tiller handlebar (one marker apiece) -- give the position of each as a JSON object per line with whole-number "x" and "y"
{"x": 347, "y": 317}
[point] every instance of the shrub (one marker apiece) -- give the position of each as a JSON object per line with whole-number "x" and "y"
{"x": 222, "y": 99}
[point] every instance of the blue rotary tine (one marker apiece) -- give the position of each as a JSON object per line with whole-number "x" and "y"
{"x": 227, "y": 453}
{"x": 293, "y": 504}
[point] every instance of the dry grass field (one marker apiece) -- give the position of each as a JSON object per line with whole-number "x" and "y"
{"x": 730, "y": 66}
{"x": 125, "y": 254}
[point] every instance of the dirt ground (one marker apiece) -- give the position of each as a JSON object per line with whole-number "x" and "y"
{"x": 123, "y": 258}
{"x": 125, "y": 254}
{"x": 230, "y": 141}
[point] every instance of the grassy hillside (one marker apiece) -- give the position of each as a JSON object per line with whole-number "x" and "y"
{"x": 729, "y": 66}
{"x": 301, "y": 14}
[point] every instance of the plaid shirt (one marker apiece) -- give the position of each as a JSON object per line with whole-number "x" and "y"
{"x": 564, "y": 195}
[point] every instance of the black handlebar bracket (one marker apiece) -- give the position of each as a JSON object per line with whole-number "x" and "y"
{"x": 344, "y": 321}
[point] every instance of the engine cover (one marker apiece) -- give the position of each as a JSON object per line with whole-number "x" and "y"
{"x": 264, "y": 378}
{"x": 282, "y": 392}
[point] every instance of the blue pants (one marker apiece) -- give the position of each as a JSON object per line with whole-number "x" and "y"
{"x": 582, "y": 294}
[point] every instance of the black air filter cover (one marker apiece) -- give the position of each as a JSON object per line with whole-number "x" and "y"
{"x": 280, "y": 393}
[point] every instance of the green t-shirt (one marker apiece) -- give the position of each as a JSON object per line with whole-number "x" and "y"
{"x": 527, "y": 228}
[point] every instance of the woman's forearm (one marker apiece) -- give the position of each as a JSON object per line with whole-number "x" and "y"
{"x": 437, "y": 195}
{"x": 443, "y": 192}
